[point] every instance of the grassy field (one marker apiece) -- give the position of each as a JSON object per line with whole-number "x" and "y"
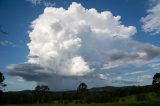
{"x": 151, "y": 99}
{"x": 100, "y": 104}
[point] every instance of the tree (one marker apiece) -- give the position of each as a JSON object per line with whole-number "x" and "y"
{"x": 82, "y": 92}
{"x": 2, "y": 85}
{"x": 41, "y": 93}
{"x": 43, "y": 88}
{"x": 156, "y": 82}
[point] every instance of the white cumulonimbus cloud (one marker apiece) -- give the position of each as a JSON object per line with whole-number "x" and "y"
{"x": 78, "y": 44}
{"x": 58, "y": 36}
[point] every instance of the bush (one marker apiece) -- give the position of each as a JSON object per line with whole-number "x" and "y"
{"x": 123, "y": 100}
{"x": 142, "y": 97}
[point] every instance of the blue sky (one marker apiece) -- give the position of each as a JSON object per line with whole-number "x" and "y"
{"x": 16, "y": 19}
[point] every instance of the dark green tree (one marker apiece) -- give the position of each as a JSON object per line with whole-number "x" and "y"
{"x": 156, "y": 82}
{"x": 2, "y": 85}
{"x": 41, "y": 93}
{"x": 82, "y": 92}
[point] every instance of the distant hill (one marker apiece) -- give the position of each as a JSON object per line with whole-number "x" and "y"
{"x": 111, "y": 88}
{"x": 105, "y": 88}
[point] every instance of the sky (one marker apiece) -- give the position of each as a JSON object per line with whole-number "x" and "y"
{"x": 61, "y": 43}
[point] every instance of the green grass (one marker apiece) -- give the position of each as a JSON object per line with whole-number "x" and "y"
{"x": 152, "y": 100}
{"x": 150, "y": 97}
{"x": 100, "y": 104}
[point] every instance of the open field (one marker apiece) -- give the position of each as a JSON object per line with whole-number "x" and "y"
{"x": 147, "y": 99}
{"x": 100, "y": 104}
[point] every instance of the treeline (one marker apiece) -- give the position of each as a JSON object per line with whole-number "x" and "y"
{"x": 42, "y": 94}
{"x": 114, "y": 95}
{"x": 79, "y": 96}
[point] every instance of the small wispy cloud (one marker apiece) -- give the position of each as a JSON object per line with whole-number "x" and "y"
{"x": 7, "y": 43}
{"x": 35, "y": 2}
{"x": 20, "y": 79}
{"x": 46, "y": 3}
{"x": 122, "y": 80}
{"x": 103, "y": 77}
{"x": 146, "y": 76}
{"x": 135, "y": 73}
{"x": 151, "y": 22}
{"x": 154, "y": 65}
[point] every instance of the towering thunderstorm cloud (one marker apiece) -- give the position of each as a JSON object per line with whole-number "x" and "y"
{"x": 59, "y": 36}
{"x": 71, "y": 45}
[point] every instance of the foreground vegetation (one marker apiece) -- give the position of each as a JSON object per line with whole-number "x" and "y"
{"x": 145, "y": 99}
{"x": 104, "y": 96}
{"x": 98, "y": 104}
